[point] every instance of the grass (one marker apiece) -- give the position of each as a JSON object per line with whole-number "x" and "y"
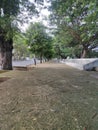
{"x": 49, "y": 97}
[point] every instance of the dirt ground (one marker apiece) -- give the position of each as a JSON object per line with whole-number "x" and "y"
{"x": 50, "y": 96}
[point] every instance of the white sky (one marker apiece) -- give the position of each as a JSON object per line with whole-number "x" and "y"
{"x": 44, "y": 13}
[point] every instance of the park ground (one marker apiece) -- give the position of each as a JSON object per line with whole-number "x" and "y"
{"x": 50, "y": 96}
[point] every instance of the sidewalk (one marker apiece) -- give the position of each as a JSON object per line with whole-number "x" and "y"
{"x": 50, "y": 96}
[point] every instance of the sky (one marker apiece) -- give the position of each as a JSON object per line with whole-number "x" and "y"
{"x": 43, "y": 17}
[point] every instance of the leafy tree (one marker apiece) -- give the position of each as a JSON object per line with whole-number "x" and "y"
{"x": 21, "y": 50}
{"x": 48, "y": 52}
{"x": 80, "y": 19}
{"x": 11, "y": 12}
{"x": 65, "y": 45}
{"x": 39, "y": 41}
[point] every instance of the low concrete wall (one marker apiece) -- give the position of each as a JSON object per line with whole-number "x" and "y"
{"x": 91, "y": 66}
{"x": 82, "y": 64}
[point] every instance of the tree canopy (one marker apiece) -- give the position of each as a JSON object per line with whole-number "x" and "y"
{"x": 39, "y": 41}
{"x": 76, "y": 32}
{"x": 21, "y": 50}
{"x": 12, "y": 12}
{"x": 79, "y": 19}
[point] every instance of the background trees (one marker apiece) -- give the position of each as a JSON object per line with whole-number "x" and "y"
{"x": 39, "y": 41}
{"x": 12, "y": 12}
{"x": 64, "y": 44}
{"x": 79, "y": 19}
{"x": 21, "y": 50}
{"x": 76, "y": 21}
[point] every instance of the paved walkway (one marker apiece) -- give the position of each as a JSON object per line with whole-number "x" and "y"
{"x": 49, "y": 97}
{"x": 24, "y": 63}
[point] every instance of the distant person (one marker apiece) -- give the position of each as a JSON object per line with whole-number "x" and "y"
{"x": 34, "y": 61}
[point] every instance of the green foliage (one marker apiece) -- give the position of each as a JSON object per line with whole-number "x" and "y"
{"x": 39, "y": 41}
{"x": 13, "y": 12}
{"x": 10, "y": 7}
{"x": 65, "y": 45}
{"x": 21, "y": 50}
{"x": 77, "y": 18}
{"x": 92, "y": 54}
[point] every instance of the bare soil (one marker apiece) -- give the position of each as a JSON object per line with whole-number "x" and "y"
{"x": 49, "y": 96}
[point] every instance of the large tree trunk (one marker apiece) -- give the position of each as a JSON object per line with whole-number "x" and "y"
{"x": 6, "y": 48}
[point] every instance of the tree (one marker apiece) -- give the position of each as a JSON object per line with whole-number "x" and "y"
{"x": 21, "y": 50}
{"x": 39, "y": 41}
{"x": 11, "y": 12}
{"x": 79, "y": 18}
{"x": 65, "y": 45}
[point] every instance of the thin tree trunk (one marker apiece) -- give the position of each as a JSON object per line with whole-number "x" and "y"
{"x": 84, "y": 52}
{"x": 41, "y": 58}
